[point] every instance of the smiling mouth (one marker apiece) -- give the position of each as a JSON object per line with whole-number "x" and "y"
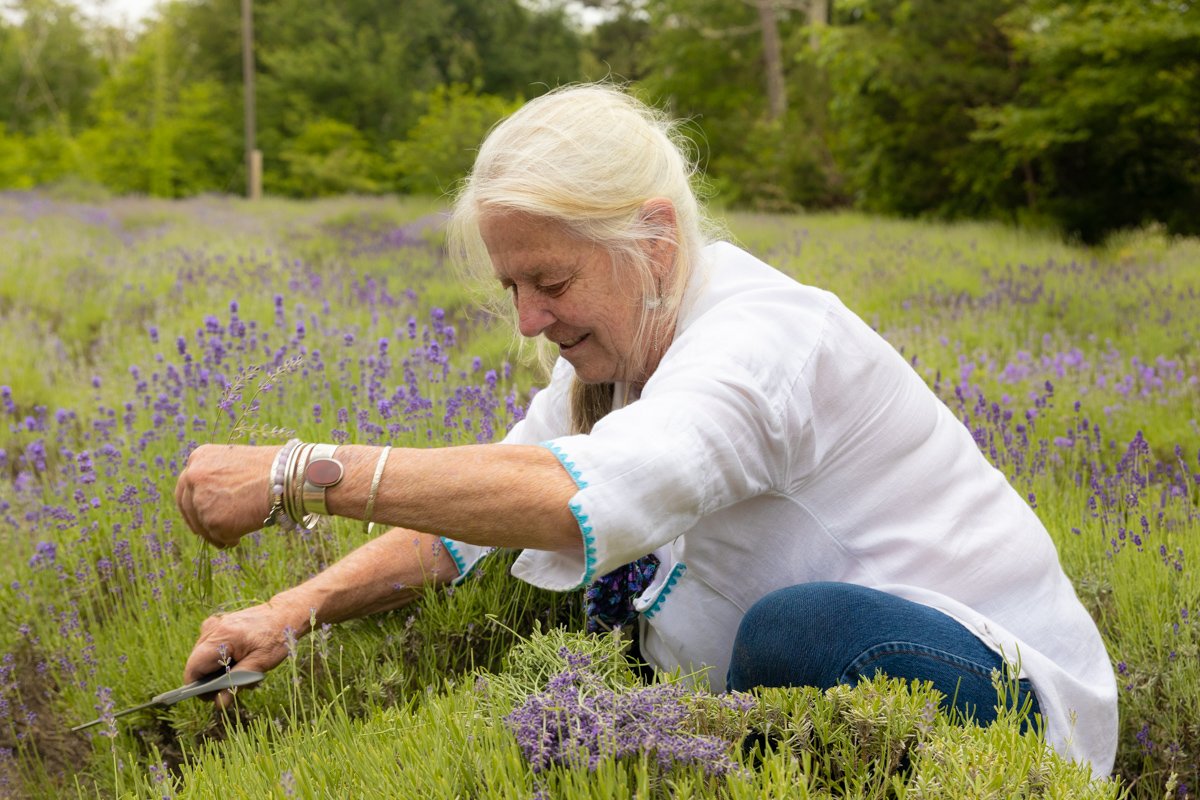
{"x": 567, "y": 345}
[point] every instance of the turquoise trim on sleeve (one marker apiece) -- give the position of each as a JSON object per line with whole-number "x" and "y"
{"x": 589, "y": 543}
{"x": 464, "y": 569}
{"x": 453, "y": 551}
{"x": 676, "y": 573}
{"x": 589, "y": 540}
{"x": 569, "y": 466}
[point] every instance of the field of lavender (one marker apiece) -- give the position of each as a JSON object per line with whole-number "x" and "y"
{"x": 133, "y": 330}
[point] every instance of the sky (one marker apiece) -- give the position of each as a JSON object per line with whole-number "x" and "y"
{"x": 124, "y": 12}
{"x": 129, "y": 12}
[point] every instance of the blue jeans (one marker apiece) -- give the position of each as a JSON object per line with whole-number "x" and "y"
{"x": 824, "y": 634}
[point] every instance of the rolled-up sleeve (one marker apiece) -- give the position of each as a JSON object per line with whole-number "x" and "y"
{"x": 646, "y": 473}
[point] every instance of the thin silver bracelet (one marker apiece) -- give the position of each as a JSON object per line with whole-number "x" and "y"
{"x": 375, "y": 479}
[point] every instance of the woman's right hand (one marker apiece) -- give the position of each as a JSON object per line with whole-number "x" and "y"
{"x": 256, "y": 638}
{"x": 223, "y": 492}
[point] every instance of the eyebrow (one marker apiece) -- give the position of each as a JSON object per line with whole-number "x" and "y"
{"x": 541, "y": 272}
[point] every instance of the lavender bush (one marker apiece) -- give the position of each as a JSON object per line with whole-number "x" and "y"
{"x": 575, "y": 720}
{"x": 135, "y": 330}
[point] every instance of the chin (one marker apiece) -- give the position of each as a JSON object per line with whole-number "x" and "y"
{"x": 593, "y": 376}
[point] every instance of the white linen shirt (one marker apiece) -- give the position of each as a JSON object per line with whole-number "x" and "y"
{"x": 782, "y": 441}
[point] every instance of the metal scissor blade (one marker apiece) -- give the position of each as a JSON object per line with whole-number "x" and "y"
{"x": 213, "y": 682}
{"x": 120, "y": 713}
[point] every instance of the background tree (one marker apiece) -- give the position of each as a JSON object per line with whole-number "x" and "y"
{"x": 47, "y": 68}
{"x": 905, "y": 77}
{"x": 1104, "y": 131}
{"x": 616, "y": 44}
{"x": 706, "y": 62}
{"x": 1084, "y": 115}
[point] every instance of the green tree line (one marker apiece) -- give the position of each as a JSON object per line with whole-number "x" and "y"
{"x": 1084, "y": 115}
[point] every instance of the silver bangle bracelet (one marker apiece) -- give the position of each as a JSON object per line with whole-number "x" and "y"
{"x": 375, "y": 480}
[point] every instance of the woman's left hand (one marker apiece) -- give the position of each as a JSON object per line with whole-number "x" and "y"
{"x": 223, "y": 492}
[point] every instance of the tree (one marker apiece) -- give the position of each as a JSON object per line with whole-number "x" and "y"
{"x": 441, "y": 147}
{"x": 905, "y": 78}
{"x": 47, "y": 68}
{"x": 706, "y": 62}
{"x": 1105, "y": 130}
{"x": 159, "y": 129}
{"x": 616, "y": 45}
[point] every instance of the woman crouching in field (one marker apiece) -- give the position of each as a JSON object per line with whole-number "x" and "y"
{"x": 726, "y": 458}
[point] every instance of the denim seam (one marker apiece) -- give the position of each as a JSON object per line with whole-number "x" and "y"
{"x": 874, "y": 652}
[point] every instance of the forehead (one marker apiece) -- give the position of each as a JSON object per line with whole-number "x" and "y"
{"x": 528, "y": 246}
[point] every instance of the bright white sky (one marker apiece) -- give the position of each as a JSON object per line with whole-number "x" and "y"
{"x": 130, "y": 12}
{"x": 122, "y": 12}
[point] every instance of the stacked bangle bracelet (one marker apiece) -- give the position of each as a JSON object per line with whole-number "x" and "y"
{"x": 300, "y": 475}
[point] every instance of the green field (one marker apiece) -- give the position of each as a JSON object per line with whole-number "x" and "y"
{"x": 133, "y": 330}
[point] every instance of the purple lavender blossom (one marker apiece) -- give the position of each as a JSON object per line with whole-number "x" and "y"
{"x": 577, "y": 721}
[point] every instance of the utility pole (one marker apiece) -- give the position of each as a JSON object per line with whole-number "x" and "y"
{"x": 253, "y": 155}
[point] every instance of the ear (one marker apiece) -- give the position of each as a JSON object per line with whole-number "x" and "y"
{"x": 659, "y": 213}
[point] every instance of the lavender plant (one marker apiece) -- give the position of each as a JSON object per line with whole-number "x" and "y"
{"x": 1074, "y": 369}
{"x": 578, "y": 718}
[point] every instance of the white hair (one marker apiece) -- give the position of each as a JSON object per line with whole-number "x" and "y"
{"x": 588, "y": 157}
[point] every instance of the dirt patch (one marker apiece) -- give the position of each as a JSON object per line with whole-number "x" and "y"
{"x": 43, "y": 752}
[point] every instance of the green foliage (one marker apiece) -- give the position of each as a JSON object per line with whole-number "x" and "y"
{"x": 98, "y": 295}
{"x": 157, "y": 134}
{"x": 878, "y": 740}
{"x": 617, "y": 44}
{"x": 1082, "y": 116}
{"x": 1105, "y": 129}
{"x": 335, "y": 89}
{"x": 779, "y": 165}
{"x": 47, "y": 67}
{"x": 440, "y": 148}
{"x": 703, "y": 59}
{"x": 14, "y": 161}
{"x": 361, "y": 63}
{"x": 328, "y": 157}
{"x": 38, "y": 159}
{"x": 904, "y": 78}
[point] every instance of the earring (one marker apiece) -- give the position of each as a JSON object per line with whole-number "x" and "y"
{"x": 652, "y": 303}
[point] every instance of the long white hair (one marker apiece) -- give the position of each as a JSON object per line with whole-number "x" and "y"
{"x": 588, "y": 157}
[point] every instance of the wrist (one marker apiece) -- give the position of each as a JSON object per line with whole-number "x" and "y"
{"x": 350, "y": 497}
{"x": 298, "y": 609}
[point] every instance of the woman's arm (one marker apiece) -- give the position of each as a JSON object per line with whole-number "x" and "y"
{"x": 385, "y": 573}
{"x": 495, "y": 495}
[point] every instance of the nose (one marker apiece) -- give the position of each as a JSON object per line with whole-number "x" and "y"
{"x": 532, "y": 317}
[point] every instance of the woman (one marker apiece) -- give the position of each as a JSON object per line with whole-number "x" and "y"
{"x": 729, "y": 459}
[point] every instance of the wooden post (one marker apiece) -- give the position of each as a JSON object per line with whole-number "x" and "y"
{"x": 255, "y": 175}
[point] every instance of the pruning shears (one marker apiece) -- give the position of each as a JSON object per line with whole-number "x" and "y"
{"x": 213, "y": 682}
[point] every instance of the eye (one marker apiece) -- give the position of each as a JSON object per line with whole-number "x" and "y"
{"x": 554, "y": 289}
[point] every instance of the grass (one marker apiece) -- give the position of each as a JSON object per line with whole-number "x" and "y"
{"x": 135, "y": 329}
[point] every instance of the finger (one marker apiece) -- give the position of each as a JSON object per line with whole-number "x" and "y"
{"x": 206, "y": 658}
{"x": 183, "y": 500}
{"x": 224, "y": 699}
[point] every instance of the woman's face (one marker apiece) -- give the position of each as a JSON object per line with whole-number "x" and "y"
{"x": 569, "y": 291}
